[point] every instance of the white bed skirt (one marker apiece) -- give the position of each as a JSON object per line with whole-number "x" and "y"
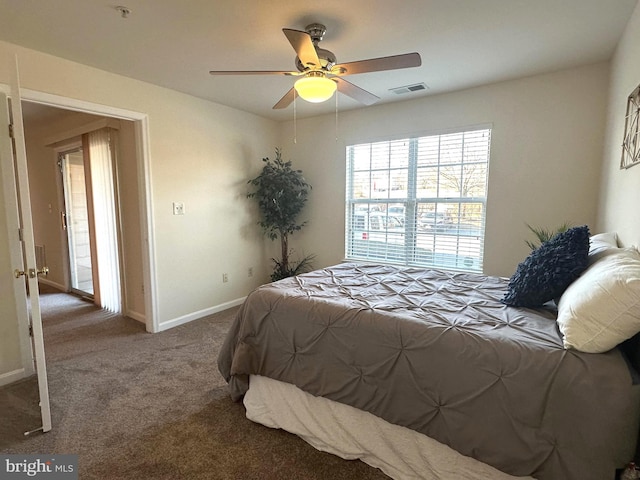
{"x": 350, "y": 433}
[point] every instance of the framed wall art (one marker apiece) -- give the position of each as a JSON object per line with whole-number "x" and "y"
{"x": 631, "y": 142}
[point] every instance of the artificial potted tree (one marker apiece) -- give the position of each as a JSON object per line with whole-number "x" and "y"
{"x": 281, "y": 193}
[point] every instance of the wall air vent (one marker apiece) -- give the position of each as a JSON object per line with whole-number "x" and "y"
{"x": 416, "y": 87}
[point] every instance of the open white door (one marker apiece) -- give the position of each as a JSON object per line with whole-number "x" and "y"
{"x": 14, "y": 163}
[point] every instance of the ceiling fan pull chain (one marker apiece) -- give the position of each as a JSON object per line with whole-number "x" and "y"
{"x": 336, "y": 117}
{"x": 295, "y": 129}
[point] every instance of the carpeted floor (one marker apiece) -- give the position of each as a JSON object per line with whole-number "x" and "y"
{"x": 139, "y": 406}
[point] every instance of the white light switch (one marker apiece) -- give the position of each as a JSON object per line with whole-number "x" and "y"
{"x": 178, "y": 208}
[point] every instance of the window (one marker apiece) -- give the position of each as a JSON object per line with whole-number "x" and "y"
{"x": 419, "y": 201}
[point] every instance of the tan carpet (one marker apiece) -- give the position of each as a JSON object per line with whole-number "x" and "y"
{"x": 139, "y": 406}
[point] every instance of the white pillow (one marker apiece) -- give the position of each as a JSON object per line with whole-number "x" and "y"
{"x": 605, "y": 240}
{"x": 602, "y": 244}
{"x": 601, "y": 308}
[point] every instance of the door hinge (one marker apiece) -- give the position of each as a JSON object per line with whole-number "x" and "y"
{"x": 20, "y": 235}
{"x": 11, "y": 130}
{"x": 31, "y": 330}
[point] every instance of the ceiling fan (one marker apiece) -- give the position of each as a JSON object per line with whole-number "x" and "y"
{"x": 321, "y": 75}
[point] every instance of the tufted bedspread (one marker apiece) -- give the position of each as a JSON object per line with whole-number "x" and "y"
{"x": 437, "y": 352}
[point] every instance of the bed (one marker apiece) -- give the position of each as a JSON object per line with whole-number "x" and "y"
{"x": 438, "y": 355}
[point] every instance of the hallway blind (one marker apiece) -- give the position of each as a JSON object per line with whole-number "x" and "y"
{"x": 106, "y": 226}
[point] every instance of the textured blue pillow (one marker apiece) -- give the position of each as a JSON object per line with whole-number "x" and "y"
{"x": 549, "y": 270}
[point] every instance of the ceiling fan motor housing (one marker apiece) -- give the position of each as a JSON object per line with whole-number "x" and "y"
{"x": 327, "y": 59}
{"x": 316, "y": 31}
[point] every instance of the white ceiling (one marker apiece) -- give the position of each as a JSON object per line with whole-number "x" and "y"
{"x": 463, "y": 43}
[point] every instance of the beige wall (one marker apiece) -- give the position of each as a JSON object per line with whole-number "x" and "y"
{"x": 545, "y": 156}
{"x": 201, "y": 154}
{"x": 620, "y": 194}
{"x": 10, "y": 353}
{"x": 11, "y": 365}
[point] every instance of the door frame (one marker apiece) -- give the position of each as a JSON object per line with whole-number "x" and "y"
{"x": 61, "y": 205}
{"x": 145, "y": 197}
{"x": 60, "y": 152}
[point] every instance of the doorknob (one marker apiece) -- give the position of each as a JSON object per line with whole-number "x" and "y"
{"x": 18, "y": 273}
{"x": 33, "y": 272}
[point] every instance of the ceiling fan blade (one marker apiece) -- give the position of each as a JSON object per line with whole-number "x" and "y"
{"x": 302, "y": 44}
{"x": 355, "y": 92}
{"x": 285, "y": 101}
{"x": 252, "y": 72}
{"x": 394, "y": 62}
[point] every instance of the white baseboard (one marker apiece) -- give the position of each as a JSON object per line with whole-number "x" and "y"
{"x": 136, "y": 316}
{"x": 200, "y": 314}
{"x": 60, "y": 287}
{"x": 13, "y": 376}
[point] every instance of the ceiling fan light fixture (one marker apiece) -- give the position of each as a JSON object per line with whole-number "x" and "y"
{"x": 315, "y": 88}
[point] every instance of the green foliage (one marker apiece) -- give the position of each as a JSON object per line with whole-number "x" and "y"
{"x": 281, "y": 193}
{"x": 281, "y": 271}
{"x": 543, "y": 235}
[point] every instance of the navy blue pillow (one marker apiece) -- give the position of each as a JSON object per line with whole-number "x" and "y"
{"x": 547, "y": 272}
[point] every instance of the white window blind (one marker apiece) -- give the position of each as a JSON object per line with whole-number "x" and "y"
{"x": 419, "y": 201}
{"x": 105, "y": 213}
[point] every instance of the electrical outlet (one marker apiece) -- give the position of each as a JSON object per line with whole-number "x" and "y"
{"x": 250, "y": 272}
{"x": 178, "y": 208}
{"x": 225, "y": 278}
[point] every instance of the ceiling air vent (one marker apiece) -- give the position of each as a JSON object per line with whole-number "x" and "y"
{"x": 416, "y": 87}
